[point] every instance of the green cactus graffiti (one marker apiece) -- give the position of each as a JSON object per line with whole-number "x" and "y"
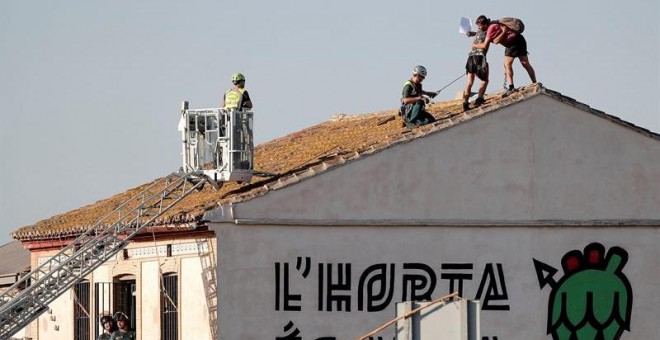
{"x": 593, "y": 300}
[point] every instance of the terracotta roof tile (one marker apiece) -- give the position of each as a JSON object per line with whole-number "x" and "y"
{"x": 300, "y": 155}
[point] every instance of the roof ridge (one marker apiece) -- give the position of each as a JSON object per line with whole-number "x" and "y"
{"x": 306, "y": 153}
{"x": 585, "y": 107}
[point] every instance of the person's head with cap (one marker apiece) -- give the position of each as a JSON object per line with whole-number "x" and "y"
{"x": 122, "y": 320}
{"x": 419, "y": 73}
{"x": 108, "y": 323}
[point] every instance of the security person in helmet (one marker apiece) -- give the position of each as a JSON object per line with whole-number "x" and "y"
{"x": 237, "y": 97}
{"x": 413, "y": 102}
{"x": 108, "y": 325}
{"x": 123, "y": 332}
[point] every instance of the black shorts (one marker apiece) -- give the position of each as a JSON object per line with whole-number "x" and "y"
{"x": 477, "y": 64}
{"x": 518, "y": 47}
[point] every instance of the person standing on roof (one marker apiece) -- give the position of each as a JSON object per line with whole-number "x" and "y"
{"x": 108, "y": 325}
{"x": 516, "y": 47}
{"x": 413, "y": 102}
{"x": 123, "y": 332}
{"x": 236, "y": 98}
{"x": 477, "y": 64}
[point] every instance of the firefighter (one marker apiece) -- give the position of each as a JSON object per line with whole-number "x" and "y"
{"x": 122, "y": 332}
{"x": 108, "y": 325}
{"x": 413, "y": 100}
{"x": 236, "y": 97}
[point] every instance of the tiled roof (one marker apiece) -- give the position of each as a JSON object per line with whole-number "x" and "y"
{"x": 299, "y": 155}
{"x": 13, "y": 259}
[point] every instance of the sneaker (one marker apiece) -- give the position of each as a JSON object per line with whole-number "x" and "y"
{"x": 466, "y": 106}
{"x": 508, "y": 91}
{"x": 479, "y": 101}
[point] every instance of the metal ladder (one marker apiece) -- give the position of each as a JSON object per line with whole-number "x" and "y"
{"x": 90, "y": 250}
{"x": 207, "y": 259}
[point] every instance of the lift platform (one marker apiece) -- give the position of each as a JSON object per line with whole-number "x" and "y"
{"x": 217, "y": 142}
{"x": 217, "y": 147}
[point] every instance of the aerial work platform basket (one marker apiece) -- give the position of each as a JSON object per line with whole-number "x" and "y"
{"x": 217, "y": 142}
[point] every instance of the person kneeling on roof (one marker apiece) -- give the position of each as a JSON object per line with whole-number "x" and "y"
{"x": 414, "y": 100}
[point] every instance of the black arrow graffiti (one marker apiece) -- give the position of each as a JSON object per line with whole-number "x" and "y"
{"x": 545, "y": 273}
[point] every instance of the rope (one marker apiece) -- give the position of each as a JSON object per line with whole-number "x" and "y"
{"x": 77, "y": 301}
{"x": 160, "y": 272}
{"x": 407, "y": 315}
{"x": 453, "y": 81}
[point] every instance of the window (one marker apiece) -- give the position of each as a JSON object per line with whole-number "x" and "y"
{"x": 112, "y": 297}
{"x": 169, "y": 318}
{"x": 81, "y": 317}
{"x": 124, "y": 299}
{"x": 102, "y": 296}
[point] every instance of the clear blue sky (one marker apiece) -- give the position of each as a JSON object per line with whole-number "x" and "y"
{"x": 90, "y": 90}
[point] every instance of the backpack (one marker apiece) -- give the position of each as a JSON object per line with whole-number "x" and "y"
{"x": 514, "y": 24}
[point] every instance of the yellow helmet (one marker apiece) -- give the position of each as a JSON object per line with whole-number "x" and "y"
{"x": 236, "y": 77}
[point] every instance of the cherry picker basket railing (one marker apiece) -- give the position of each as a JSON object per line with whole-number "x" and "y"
{"x": 28, "y": 298}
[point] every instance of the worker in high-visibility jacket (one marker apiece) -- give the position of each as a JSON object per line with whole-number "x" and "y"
{"x": 236, "y": 97}
{"x": 414, "y": 100}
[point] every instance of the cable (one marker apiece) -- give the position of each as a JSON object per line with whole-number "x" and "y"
{"x": 453, "y": 81}
{"x": 409, "y": 314}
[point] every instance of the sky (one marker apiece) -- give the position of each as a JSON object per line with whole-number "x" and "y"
{"x": 90, "y": 91}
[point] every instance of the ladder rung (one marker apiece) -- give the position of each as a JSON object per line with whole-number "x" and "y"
{"x": 29, "y": 297}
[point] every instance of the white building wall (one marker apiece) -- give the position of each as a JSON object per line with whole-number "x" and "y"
{"x": 57, "y": 323}
{"x": 150, "y": 300}
{"x": 192, "y": 311}
{"x": 499, "y": 181}
{"x": 514, "y": 307}
{"x": 536, "y": 160}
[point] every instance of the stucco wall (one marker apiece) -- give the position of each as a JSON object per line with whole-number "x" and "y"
{"x": 150, "y": 300}
{"x": 536, "y": 160}
{"x": 58, "y": 323}
{"x": 194, "y": 315}
{"x": 144, "y": 265}
{"x": 264, "y": 268}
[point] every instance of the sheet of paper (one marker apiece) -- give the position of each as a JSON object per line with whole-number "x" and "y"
{"x": 465, "y": 26}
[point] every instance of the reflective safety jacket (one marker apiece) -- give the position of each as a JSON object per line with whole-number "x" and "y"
{"x": 234, "y": 98}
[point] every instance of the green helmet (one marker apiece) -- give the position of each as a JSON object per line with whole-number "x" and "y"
{"x": 236, "y": 77}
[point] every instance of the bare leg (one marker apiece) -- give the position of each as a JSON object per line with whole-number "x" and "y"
{"x": 508, "y": 69}
{"x": 482, "y": 88}
{"x": 467, "y": 91}
{"x": 524, "y": 61}
{"x": 468, "y": 86}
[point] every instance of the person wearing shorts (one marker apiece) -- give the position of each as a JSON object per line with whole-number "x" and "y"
{"x": 515, "y": 47}
{"x": 476, "y": 65}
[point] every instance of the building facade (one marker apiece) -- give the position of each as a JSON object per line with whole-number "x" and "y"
{"x": 166, "y": 287}
{"x": 543, "y": 209}
{"x": 539, "y": 206}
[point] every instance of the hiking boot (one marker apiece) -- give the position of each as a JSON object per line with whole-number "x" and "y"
{"x": 479, "y": 101}
{"x": 466, "y": 106}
